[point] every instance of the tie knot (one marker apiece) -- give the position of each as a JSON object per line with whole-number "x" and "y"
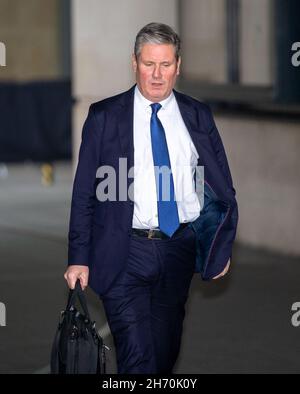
{"x": 155, "y": 107}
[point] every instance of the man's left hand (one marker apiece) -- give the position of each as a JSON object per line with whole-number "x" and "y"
{"x": 224, "y": 272}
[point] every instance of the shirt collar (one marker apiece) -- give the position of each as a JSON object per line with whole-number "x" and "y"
{"x": 145, "y": 103}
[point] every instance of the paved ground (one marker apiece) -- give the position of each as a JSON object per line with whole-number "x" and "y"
{"x": 241, "y": 324}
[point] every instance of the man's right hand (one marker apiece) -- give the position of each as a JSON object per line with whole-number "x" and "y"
{"x": 75, "y": 272}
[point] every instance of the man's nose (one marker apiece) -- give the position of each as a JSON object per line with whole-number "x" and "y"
{"x": 156, "y": 72}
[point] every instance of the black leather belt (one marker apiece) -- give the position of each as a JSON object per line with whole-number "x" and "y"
{"x": 157, "y": 234}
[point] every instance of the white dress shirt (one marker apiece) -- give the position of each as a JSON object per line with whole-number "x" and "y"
{"x": 183, "y": 158}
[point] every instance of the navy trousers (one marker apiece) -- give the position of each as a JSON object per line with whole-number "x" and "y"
{"x": 145, "y": 307}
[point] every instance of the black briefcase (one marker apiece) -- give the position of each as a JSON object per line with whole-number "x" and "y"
{"x": 77, "y": 348}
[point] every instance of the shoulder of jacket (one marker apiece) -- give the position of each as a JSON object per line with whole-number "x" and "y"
{"x": 109, "y": 103}
{"x": 195, "y": 103}
{"x": 200, "y": 109}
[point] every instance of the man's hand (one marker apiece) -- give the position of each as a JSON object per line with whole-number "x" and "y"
{"x": 224, "y": 272}
{"x": 75, "y": 272}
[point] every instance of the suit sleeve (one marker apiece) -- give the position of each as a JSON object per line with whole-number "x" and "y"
{"x": 220, "y": 151}
{"x": 226, "y": 237}
{"x": 83, "y": 195}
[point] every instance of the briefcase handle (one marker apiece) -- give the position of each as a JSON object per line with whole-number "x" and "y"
{"x": 78, "y": 292}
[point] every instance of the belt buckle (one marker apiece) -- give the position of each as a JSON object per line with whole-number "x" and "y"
{"x": 150, "y": 233}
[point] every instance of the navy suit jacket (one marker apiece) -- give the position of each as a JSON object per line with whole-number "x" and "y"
{"x": 99, "y": 232}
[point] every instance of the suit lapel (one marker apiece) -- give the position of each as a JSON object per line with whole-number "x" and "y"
{"x": 189, "y": 117}
{"x": 125, "y": 126}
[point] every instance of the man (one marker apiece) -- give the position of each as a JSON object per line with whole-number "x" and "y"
{"x": 139, "y": 254}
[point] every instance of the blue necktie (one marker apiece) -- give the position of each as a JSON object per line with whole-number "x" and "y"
{"x": 167, "y": 210}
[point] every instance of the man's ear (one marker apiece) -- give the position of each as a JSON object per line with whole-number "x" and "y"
{"x": 134, "y": 62}
{"x": 178, "y": 65}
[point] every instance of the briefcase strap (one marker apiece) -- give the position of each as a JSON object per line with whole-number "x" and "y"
{"x": 78, "y": 292}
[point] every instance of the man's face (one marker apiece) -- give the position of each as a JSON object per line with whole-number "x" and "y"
{"x": 156, "y": 70}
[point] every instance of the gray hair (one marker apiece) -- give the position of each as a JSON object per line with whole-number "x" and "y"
{"x": 156, "y": 33}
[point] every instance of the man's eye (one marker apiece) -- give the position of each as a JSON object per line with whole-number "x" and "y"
{"x": 166, "y": 64}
